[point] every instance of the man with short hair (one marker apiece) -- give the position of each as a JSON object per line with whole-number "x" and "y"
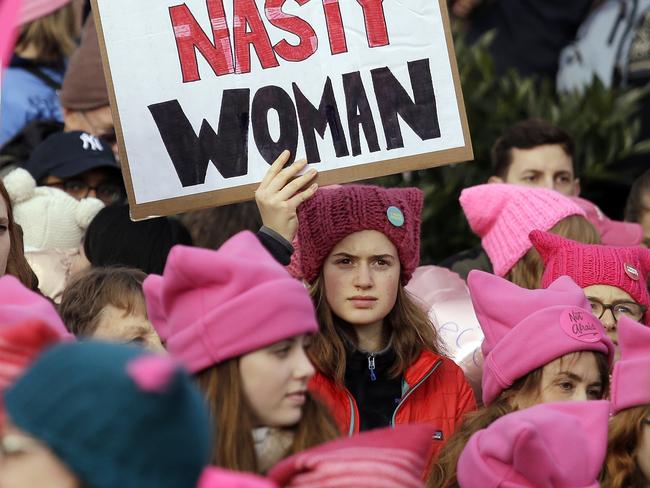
{"x": 534, "y": 152}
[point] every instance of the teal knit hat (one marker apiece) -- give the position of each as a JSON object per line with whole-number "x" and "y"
{"x": 116, "y": 416}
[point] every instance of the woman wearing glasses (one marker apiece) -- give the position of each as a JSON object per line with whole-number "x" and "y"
{"x": 615, "y": 279}
{"x": 628, "y": 448}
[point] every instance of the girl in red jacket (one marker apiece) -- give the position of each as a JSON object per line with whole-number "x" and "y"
{"x": 377, "y": 355}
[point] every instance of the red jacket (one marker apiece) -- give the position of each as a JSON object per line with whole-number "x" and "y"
{"x": 436, "y": 392}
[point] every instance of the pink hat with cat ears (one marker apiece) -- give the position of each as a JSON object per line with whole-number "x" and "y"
{"x": 631, "y": 377}
{"x": 546, "y": 324}
{"x": 552, "y": 444}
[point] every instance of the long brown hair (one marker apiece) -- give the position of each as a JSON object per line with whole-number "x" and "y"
{"x": 625, "y": 430}
{"x": 528, "y": 271}
{"x": 17, "y": 265}
{"x": 443, "y": 474}
{"x": 52, "y": 36}
{"x": 233, "y": 424}
{"x": 407, "y": 323}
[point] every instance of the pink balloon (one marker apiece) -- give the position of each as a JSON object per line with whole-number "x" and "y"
{"x": 8, "y": 17}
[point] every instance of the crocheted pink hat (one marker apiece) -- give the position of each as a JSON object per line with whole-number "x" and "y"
{"x": 383, "y": 457}
{"x": 547, "y": 324}
{"x": 35, "y": 9}
{"x": 18, "y": 305}
{"x": 612, "y": 232}
{"x": 545, "y": 446}
{"x": 631, "y": 377}
{"x": 626, "y": 268}
{"x": 333, "y": 214}
{"x": 209, "y": 306}
{"x": 503, "y": 215}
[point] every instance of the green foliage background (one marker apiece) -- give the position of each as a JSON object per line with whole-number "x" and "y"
{"x": 603, "y": 123}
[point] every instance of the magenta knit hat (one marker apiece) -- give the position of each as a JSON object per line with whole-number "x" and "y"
{"x": 377, "y": 458}
{"x": 503, "y": 215}
{"x": 546, "y": 324}
{"x": 209, "y": 306}
{"x": 546, "y": 446}
{"x": 35, "y": 9}
{"x": 334, "y": 213}
{"x": 612, "y": 232}
{"x": 18, "y": 305}
{"x": 631, "y": 377}
{"x": 626, "y": 268}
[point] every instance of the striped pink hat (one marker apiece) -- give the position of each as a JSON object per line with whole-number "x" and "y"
{"x": 35, "y": 9}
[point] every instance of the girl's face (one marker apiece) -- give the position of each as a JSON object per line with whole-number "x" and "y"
{"x": 274, "y": 380}
{"x": 26, "y": 463}
{"x": 643, "y": 450}
{"x": 573, "y": 377}
{"x": 361, "y": 277}
{"x": 612, "y": 295}
{"x": 5, "y": 239}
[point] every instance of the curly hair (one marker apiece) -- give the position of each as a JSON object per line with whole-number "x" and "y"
{"x": 625, "y": 430}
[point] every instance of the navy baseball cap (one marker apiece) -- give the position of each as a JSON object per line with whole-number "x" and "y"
{"x": 68, "y": 154}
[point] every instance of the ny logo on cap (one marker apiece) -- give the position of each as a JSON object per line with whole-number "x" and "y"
{"x": 91, "y": 142}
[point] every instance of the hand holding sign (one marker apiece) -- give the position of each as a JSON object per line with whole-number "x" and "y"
{"x": 280, "y": 194}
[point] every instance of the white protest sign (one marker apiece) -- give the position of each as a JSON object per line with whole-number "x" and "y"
{"x": 207, "y": 93}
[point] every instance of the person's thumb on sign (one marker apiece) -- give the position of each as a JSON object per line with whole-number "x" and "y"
{"x": 280, "y": 193}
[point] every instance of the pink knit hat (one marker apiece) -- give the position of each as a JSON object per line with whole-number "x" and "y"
{"x": 503, "y": 215}
{"x": 220, "y": 478}
{"x": 631, "y": 377}
{"x": 378, "y": 458}
{"x": 209, "y": 306}
{"x": 612, "y": 232}
{"x": 626, "y": 268}
{"x": 35, "y": 9}
{"x": 334, "y": 213}
{"x": 546, "y": 324}
{"x": 546, "y": 446}
{"x": 18, "y": 305}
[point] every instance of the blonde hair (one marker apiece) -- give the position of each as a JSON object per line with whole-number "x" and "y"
{"x": 528, "y": 271}
{"x": 52, "y": 36}
{"x": 625, "y": 430}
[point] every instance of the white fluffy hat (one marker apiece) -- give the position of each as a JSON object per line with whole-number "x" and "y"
{"x": 50, "y": 218}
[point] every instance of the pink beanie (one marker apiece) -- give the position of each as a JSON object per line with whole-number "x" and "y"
{"x": 209, "y": 306}
{"x": 220, "y": 478}
{"x": 626, "y": 268}
{"x": 546, "y": 324}
{"x": 334, "y": 213}
{"x": 18, "y": 305}
{"x": 374, "y": 459}
{"x": 503, "y": 215}
{"x": 546, "y": 446}
{"x": 35, "y": 9}
{"x": 612, "y": 232}
{"x": 631, "y": 377}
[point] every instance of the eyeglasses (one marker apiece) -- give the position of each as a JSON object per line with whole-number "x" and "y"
{"x": 106, "y": 192}
{"x": 109, "y": 136}
{"x": 619, "y": 309}
{"x": 13, "y": 445}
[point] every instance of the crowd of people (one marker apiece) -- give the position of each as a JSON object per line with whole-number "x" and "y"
{"x": 283, "y": 343}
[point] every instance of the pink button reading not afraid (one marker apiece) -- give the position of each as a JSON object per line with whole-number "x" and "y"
{"x": 581, "y": 325}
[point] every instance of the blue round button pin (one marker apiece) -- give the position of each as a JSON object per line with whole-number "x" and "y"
{"x": 395, "y": 216}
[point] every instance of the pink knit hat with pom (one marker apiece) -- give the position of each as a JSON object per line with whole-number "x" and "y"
{"x": 503, "y": 215}
{"x": 546, "y": 446}
{"x": 334, "y": 213}
{"x": 631, "y": 377}
{"x": 35, "y": 9}
{"x": 378, "y": 458}
{"x": 626, "y": 268}
{"x": 546, "y": 324}
{"x": 210, "y": 306}
{"x": 18, "y": 305}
